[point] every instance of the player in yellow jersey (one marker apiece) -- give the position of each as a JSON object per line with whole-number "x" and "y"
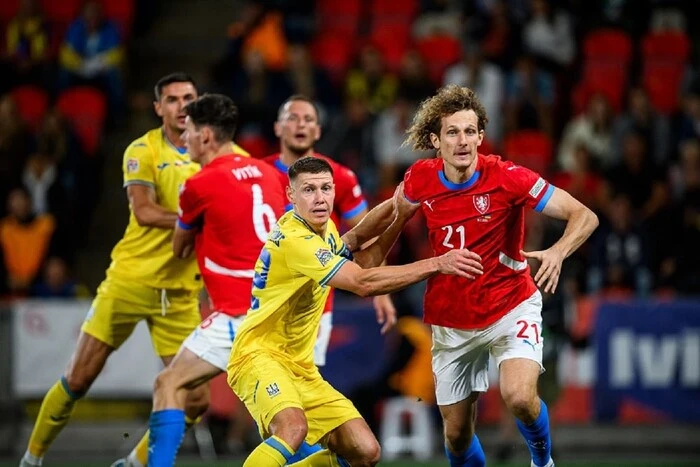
{"x": 144, "y": 280}
{"x": 271, "y": 367}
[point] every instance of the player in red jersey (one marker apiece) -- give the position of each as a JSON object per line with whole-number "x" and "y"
{"x": 477, "y": 202}
{"x": 298, "y": 128}
{"x": 226, "y": 211}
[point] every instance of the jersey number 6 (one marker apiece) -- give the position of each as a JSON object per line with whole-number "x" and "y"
{"x": 263, "y": 215}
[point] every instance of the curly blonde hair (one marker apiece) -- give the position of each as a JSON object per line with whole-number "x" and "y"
{"x": 448, "y": 100}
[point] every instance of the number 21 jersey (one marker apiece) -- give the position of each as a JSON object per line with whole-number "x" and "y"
{"x": 485, "y": 214}
{"x": 234, "y": 201}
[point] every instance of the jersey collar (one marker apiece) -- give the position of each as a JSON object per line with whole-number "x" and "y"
{"x": 279, "y": 165}
{"x": 458, "y": 186}
{"x": 180, "y": 150}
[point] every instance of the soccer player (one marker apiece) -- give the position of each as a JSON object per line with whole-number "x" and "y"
{"x": 144, "y": 281}
{"x": 298, "y": 128}
{"x": 271, "y": 368}
{"x": 477, "y": 203}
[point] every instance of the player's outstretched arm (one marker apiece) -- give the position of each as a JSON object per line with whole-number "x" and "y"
{"x": 183, "y": 242}
{"x": 387, "y": 279}
{"x": 147, "y": 211}
{"x": 581, "y": 222}
{"x": 373, "y": 224}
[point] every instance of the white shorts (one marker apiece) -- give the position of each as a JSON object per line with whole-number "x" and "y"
{"x": 461, "y": 358}
{"x": 213, "y": 338}
{"x": 324, "y": 336}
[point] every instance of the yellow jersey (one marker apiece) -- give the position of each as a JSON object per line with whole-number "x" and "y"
{"x": 145, "y": 254}
{"x": 289, "y": 292}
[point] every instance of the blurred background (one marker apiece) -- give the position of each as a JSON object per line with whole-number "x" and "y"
{"x": 600, "y": 96}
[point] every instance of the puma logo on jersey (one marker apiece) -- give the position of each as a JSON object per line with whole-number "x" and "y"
{"x": 529, "y": 343}
{"x": 429, "y": 204}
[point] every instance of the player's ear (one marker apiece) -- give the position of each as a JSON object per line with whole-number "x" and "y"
{"x": 157, "y": 107}
{"x": 435, "y": 139}
{"x": 481, "y": 138}
{"x": 278, "y": 129}
{"x": 317, "y": 133}
{"x": 290, "y": 193}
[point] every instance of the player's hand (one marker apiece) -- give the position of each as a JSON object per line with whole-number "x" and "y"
{"x": 550, "y": 267}
{"x": 461, "y": 262}
{"x": 402, "y": 207}
{"x": 386, "y": 312}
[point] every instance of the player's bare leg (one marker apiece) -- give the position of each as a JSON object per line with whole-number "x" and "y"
{"x": 288, "y": 429}
{"x": 178, "y": 387}
{"x": 518, "y": 382}
{"x": 462, "y": 446}
{"x": 355, "y": 442}
{"x": 85, "y": 365}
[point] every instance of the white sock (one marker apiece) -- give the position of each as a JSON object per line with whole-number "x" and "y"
{"x": 132, "y": 461}
{"x": 32, "y": 460}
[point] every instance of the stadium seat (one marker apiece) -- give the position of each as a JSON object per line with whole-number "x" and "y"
{"x": 8, "y": 10}
{"x": 339, "y": 17}
{"x": 121, "y": 12}
{"x": 32, "y": 103}
{"x": 86, "y": 110}
{"x": 392, "y": 40}
{"x": 664, "y": 60}
{"x": 529, "y": 148}
{"x": 393, "y": 11}
{"x": 439, "y": 52}
{"x": 332, "y": 53}
{"x": 61, "y": 12}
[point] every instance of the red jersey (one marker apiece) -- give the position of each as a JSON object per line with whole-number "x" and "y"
{"x": 349, "y": 200}
{"x": 485, "y": 214}
{"x": 235, "y": 201}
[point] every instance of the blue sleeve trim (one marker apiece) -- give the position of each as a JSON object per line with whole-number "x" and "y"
{"x": 345, "y": 253}
{"x": 356, "y": 210}
{"x": 330, "y": 275}
{"x": 410, "y": 200}
{"x": 279, "y": 447}
{"x": 73, "y": 395}
{"x": 184, "y": 226}
{"x": 543, "y": 201}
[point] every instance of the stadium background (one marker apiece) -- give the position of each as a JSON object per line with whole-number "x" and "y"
{"x": 602, "y": 96}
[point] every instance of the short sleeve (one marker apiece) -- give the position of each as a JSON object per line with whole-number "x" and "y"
{"x": 526, "y": 187}
{"x": 313, "y": 258}
{"x": 349, "y": 197}
{"x": 190, "y": 206}
{"x": 409, "y": 186}
{"x": 138, "y": 165}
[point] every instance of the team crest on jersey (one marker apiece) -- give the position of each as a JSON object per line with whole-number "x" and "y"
{"x": 482, "y": 203}
{"x": 132, "y": 165}
{"x": 276, "y": 236}
{"x": 272, "y": 390}
{"x": 324, "y": 256}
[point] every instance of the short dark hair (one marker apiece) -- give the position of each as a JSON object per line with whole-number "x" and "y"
{"x": 216, "y": 111}
{"x": 298, "y": 97}
{"x": 308, "y": 165}
{"x": 177, "y": 77}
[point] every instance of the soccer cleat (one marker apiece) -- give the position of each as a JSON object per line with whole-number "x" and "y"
{"x": 549, "y": 464}
{"x": 120, "y": 463}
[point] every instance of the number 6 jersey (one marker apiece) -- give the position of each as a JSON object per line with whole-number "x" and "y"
{"x": 234, "y": 201}
{"x": 485, "y": 214}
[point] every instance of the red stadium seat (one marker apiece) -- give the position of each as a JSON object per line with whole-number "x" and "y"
{"x": 664, "y": 58}
{"x": 62, "y": 12}
{"x": 332, "y": 53}
{"x": 392, "y": 40}
{"x": 32, "y": 103}
{"x": 121, "y": 12}
{"x": 529, "y": 148}
{"x": 339, "y": 16}
{"x": 393, "y": 10}
{"x": 439, "y": 52}
{"x": 8, "y": 10}
{"x": 86, "y": 109}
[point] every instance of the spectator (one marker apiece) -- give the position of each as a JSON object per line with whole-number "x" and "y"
{"x": 414, "y": 83}
{"x": 548, "y": 35}
{"x": 496, "y": 31}
{"x": 621, "y": 252}
{"x": 309, "y": 80}
{"x": 26, "y": 40}
{"x": 641, "y": 118}
{"x": 582, "y": 182}
{"x": 15, "y": 144}
{"x": 529, "y": 97}
{"x": 687, "y": 123}
{"x": 371, "y": 82}
{"x": 56, "y": 140}
{"x": 488, "y": 82}
{"x": 592, "y": 129}
{"x": 57, "y": 282}
{"x": 92, "y": 54}
{"x": 25, "y": 239}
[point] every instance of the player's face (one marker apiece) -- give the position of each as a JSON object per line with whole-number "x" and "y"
{"x": 459, "y": 139}
{"x": 297, "y": 127}
{"x": 312, "y": 196}
{"x": 173, "y": 99}
{"x": 193, "y": 140}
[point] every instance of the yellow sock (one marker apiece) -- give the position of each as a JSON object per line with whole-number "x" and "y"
{"x": 273, "y": 452}
{"x": 54, "y": 414}
{"x": 323, "y": 458}
{"x": 140, "y": 452}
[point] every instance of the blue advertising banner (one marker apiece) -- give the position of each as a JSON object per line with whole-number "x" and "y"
{"x": 648, "y": 355}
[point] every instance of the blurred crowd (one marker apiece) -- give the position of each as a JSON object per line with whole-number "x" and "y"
{"x": 599, "y": 96}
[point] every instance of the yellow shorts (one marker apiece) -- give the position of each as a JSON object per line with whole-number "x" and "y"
{"x": 119, "y": 305}
{"x": 266, "y": 385}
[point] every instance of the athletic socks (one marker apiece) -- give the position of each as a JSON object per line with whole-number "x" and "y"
{"x": 473, "y": 457}
{"x": 537, "y": 437}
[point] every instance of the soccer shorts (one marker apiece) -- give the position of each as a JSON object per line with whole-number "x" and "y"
{"x": 461, "y": 358}
{"x": 323, "y": 338}
{"x": 213, "y": 338}
{"x": 267, "y": 385}
{"x": 171, "y": 314}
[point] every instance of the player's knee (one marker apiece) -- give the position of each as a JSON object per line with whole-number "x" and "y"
{"x": 522, "y": 404}
{"x": 292, "y": 428}
{"x": 458, "y": 433}
{"x": 369, "y": 453}
{"x": 197, "y": 401}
